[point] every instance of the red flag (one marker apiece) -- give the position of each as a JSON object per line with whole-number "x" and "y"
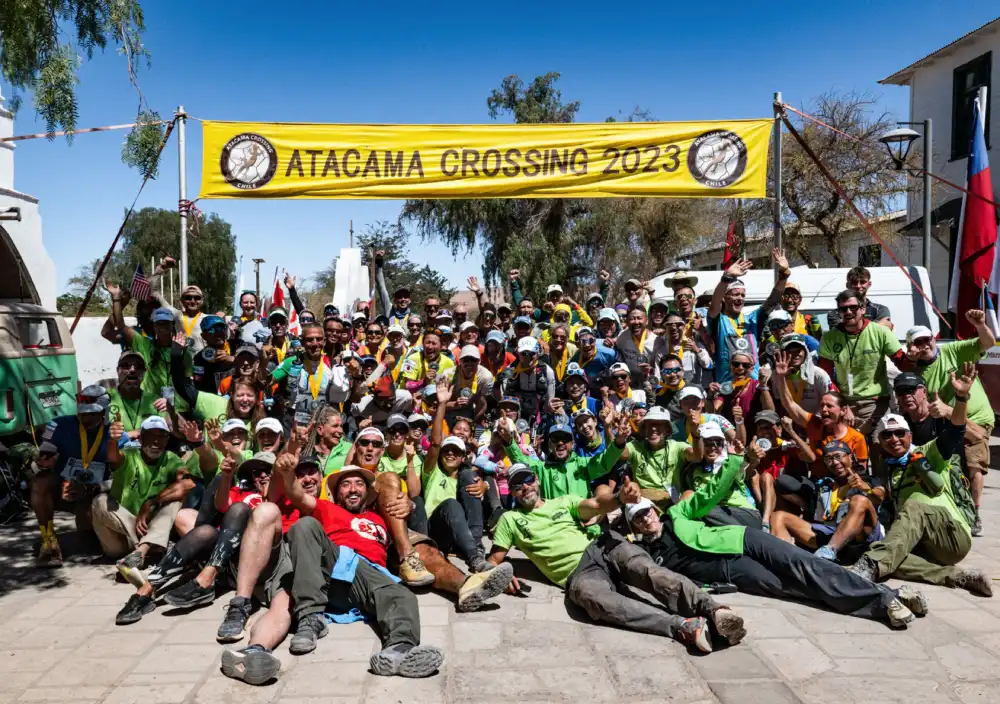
{"x": 734, "y": 238}
{"x": 977, "y": 233}
{"x": 278, "y": 300}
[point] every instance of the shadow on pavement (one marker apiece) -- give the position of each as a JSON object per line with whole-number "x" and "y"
{"x": 19, "y": 543}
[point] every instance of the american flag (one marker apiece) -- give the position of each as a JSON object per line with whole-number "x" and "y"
{"x": 140, "y": 285}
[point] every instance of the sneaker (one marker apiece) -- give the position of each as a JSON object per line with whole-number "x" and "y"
{"x": 912, "y": 599}
{"x": 234, "y": 625}
{"x": 728, "y": 625}
{"x": 135, "y": 608}
{"x": 826, "y": 553}
{"x": 311, "y": 628}
{"x": 977, "y": 527}
{"x": 254, "y": 664}
{"x": 158, "y": 577}
{"x": 974, "y": 581}
{"x": 130, "y": 567}
{"x": 479, "y": 563}
{"x": 865, "y": 568}
{"x": 190, "y": 594}
{"x": 407, "y": 660}
{"x": 899, "y": 614}
{"x": 49, "y": 555}
{"x": 413, "y": 572}
{"x": 483, "y": 586}
{"x": 694, "y": 632}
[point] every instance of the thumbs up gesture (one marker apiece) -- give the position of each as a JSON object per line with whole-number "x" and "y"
{"x": 938, "y": 408}
{"x": 630, "y": 492}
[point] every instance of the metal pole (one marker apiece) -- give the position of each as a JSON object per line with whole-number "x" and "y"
{"x": 350, "y": 229}
{"x": 928, "y": 204}
{"x": 171, "y": 287}
{"x": 776, "y": 171}
{"x": 182, "y": 197}
{"x": 256, "y": 271}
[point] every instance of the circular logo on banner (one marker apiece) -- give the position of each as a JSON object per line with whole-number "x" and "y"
{"x": 717, "y": 158}
{"x": 248, "y": 161}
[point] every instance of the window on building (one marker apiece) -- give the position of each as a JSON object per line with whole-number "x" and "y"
{"x": 968, "y": 79}
{"x": 870, "y": 255}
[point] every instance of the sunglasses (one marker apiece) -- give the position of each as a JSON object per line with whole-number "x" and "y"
{"x": 527, "y": 481}
{"x": 834, "y": 457}
{"x": 369, "y": 443}
{"x": 671, "y": 370}
{"x": 620, "y": 377}
{"x": 373, "y": 331}
{"x": 674, "y": 325}
{"x": 848, "y": 309}
{"x": 307, "y": 319}
{"x": 900, "y": 433}
{"x": 641, "y": 516}
{"x": 587, "y": 341}
{"x": 740, "y": 365}
{"x": 191, "y": 298}
{"x": 714, "y": 442}
{"x": 683, "y": 297}
{"x": 415, "y": 326}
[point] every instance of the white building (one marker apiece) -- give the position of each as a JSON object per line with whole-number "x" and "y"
{"x": 26, "y": 270}
{"x": 943, "y": 85}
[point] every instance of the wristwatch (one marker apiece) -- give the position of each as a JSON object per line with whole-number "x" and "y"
{"x": 728, "y": 278}
{"x": 963, "y": 399}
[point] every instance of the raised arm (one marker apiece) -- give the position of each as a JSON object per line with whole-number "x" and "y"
{"x": 437, "y": 426}
{"x": 738, "y": 269}
{"x": 986, "y": 337}
{"x": 797, "y": 413}
{"x": 606, "y": 500}
{"x": 183, "y": 384}
{"x": 293, "y": 293}
{"x": 784, "y": 272}
{"x": 950, "y": 441}
{"x": 222, "y": 498}
{"x": 284, "y": 470}
{"x": 117, "y": 314}
{"x": 805, "y": 451}
{"x": 383, "y": 292}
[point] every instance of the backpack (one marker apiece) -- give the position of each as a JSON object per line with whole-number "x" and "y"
{"x": 960, "y": 491}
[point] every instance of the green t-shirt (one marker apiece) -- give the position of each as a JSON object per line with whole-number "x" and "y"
{"x": 211, "y": 406}
{"x": 550, "y": 535}
{"x": 657, "y": 469}
{"x": 906, "y": 485}
{"x": 937, "y": 377}
{"x": 696, "y": 475}
{"x": 158, "y": 368}
{"x": 397, "y": 466}
{"x": 134, "y": 481}
{"x": 132, "y": 413}
{"x": 335, "y": 460}
{"x": 859, "y": 360}
{"x": 438, "y": 487}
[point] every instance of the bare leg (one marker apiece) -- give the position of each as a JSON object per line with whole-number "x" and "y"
{"x": 778, "y": 529}
{"x": 447, "y": 577}
{"x": 43, "y": 497}
{"x": 977, "y": 479}
{"x": 271, "y": 628}
{"x": 262, "y": 534}
{"x": 768, "y": 497}
{"x": 856, "y": 525}
{"x": 389, "y": 488}
{"x": 185, "y": 521}
{"x": 795, "y": 529}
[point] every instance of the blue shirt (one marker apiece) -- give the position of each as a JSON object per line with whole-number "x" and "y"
{"x": 732, "y": 335}
{"x": 64, "y": 433}
{"x": 601, "y": 362}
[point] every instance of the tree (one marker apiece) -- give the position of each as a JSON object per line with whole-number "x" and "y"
{"x": 36, "y": 55}
{"x": 811, "y": 207}
{"x": 565, "y": 240}
{"x": 69, "y": 302}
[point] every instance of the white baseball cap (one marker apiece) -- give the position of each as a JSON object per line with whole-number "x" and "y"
{"x": 269, "y": 424}
{"x": 711, "y": 430}
{"x": 918, "y": 332}
{"x": 371, "y": 431}
{"x": 467, "y": 325}
{"x": 618, "y": 367}
{"x": 233, "y": 424}
{"x": 553, "y": 288}
{"x": 657, "y": 413}
{"x": 453, "y": 441}
{"x": 891, "y": 421}
{"x": 689, "y": 391}
{"x": 735, "y": 285}
{"x": 469, "y": 351}
{"x": 154, "y": 423}
{"x": 396, "y": 328}
{"x": 527, "y": 344}
{"x": 779, "y": 315}
{"x": 631, "y": 510}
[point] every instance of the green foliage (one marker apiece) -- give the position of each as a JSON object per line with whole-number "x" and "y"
{"x": 34, "y": 57}
{"x": 559, "y": 240}
{"x": 142, "y": 145}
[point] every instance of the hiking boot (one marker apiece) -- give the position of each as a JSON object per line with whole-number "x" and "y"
{"x": 974, "y": 581}
{"x": 190, "y": 594}
{"x": 130, "y": 567}
{"x": 914, "y": 600}
{"x": 49, "y": 555}
{"x": 728, "y": 625}
{"x": 479, "y": 563}
{"x": 311, "y": 628}
{"x": 158, "y": 577}
{"x": 254, "y": 664}
{"x": 899, "y": 614}
{"x": 826, "y": 553}
{"x": 413, "y": 572}
{"x": 483, "y": 586}
{"x": 234, "y": 625}
{"x": 694, "y": 632}
{"x": 135, "y": 608}
{"x": 977, "y": 527}
{"x": 407, "y": 660}
{"x": 865, "y": 568}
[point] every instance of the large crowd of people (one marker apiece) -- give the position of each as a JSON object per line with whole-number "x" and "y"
{"x": 682, "y": 446}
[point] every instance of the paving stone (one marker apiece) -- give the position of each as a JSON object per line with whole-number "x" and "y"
{"x": 74, "y": 672}
{"x": 672, "y": 678}
{"x": 105, "y": 642}
{"x": 52, "y": 636}
{"x": 191, "y": 631}
{"x": 179, "y": 658}
{"x": 430, "y": 690}
{"x": 435, "y": 615}
{"x": 320, "y": 700}
{"x": 795, "y": 658}
{"x": 551, "y": 684}
{"x": 505, "y": 657}
{"x": 739, "y": 662}
{"x": 476, "y": 635}
{"x": 30, "y": 660}
{"x": 331, "y": 649}
{"x": 881, "y": 689}
{"x": 845, "y": 645}
{"x": 550, "y": 634}
{"x": 763, "y": 691}
{"x": 970, "y": 620}
{"x": 223, "y": 690}
{"x": 44, "y": 609}
{"x": 150, "y": 694}
{"x": 617, "y": 642}
{"x": 978, "y": 692}
{"x": 58, "y": 694}
{"x": 881, "y": 664}
{"x": 819, "y": 621}
{"x": 143, "y": 679}
{"x": 13, "y": 681}
{"x": 968, "y": 662}
{"x": 317, "y": 679}
{"x": 768, "y": 623}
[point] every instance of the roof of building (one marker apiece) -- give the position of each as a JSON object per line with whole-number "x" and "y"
{"x": 905, "y": 75}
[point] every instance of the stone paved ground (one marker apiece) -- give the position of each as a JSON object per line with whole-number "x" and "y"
{"x": 58, "y": 642}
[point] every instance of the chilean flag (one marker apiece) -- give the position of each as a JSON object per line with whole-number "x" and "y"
{"x": 278, "y": 299}
{"x": 977, "y": 234}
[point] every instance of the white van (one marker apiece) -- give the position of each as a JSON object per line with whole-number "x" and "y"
{"x": 820, "y": 287}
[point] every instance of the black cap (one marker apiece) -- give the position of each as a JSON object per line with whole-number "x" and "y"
{"x": 908, "y": 380}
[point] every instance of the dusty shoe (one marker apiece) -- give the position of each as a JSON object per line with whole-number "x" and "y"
{"x": 254, "y": 664}
{"x": 407, "y": 661}
{"x": 135, "y": 608}
{"x": 695, "y": 632}
{"x": 50, "y": 555}
{"x": 865, "y": 568}
{"x": 974, "y": 581}
{"x": 234, "y": 625}
{"x": 130, "y": 567}
{"x": 912, "y": 599}
{"x": 728, "y": 625}
{"x": 483, "y": 586}
{"x": 977, "y": 526}
{"x": 899, "y": 614}
{"x": 311, "y": 629}
{"x": 413, "y": 572}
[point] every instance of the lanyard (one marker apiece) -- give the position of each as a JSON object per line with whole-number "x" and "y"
{"x": 463, "y": 384}
{"x": 189, "y": 326}
{"x": 281, "y": 352}
{"x": 737, "y": 324}
{"x": 133, "y": 418}
{"x": 315, "y": 380}
{"x": 88, "y": 452}
{"x": 640, "y": 344}
{"x": 560, "y": 368}
{"x": 578, "y": 406}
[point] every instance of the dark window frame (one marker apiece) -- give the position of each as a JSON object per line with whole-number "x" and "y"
{"x": 870, "y": 255}
{"x": 981, "y": 68}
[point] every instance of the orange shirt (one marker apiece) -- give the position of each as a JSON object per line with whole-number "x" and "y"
{"x": 818, "y": 437}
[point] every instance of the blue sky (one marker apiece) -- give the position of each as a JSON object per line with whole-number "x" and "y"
{"x": 404, "y": 62}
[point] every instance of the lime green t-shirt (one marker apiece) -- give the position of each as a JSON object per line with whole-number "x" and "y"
{"x": 335, "y": 460}
{"x": 551, "y": 536}
{"x": 133, "y": 481}
{"x": 132, "y": 413}
{"x": 937, "y": 377}
{"x": 397, "y": 466}
{"x": 158, "y": 368}
{"x": 657, "y": 469}
{"x": 697, "y": 475}
{"x": 906, "y": 486}
{"x": 211, "y": 406}
{"x": 859, "y": 360}
{"x": 438, "y": 487}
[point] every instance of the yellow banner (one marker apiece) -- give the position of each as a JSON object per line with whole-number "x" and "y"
{"x": 725, "y": 159}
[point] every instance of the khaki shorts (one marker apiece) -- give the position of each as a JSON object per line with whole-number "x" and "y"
{"x": 276, "y": 574}
{"x": 977, "y": 448}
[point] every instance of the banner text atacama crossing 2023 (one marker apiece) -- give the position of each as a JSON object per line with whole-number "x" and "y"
{"x": 725, "y": 159}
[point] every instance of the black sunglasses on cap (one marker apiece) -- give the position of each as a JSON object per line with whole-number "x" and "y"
{"x": 897, "y": 433}
{"x": 527, "y": 480}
